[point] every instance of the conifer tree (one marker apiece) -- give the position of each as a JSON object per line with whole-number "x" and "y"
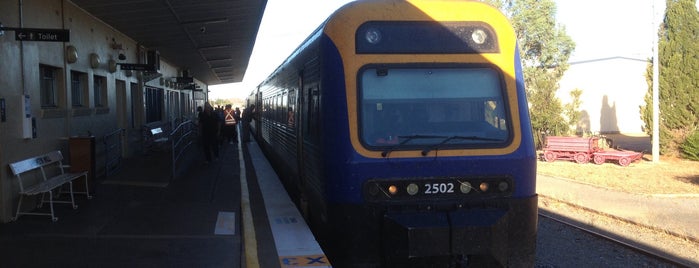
{"x": 678, "y": 49}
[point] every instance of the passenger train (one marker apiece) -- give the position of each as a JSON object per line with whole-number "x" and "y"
{"x": 401, "y": 130}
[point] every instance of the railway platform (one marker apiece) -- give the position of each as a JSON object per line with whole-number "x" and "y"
{"x": 231, "y": 212}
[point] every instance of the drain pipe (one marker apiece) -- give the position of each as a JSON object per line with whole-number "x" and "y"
{"x": 21, "y": 49}
{"x": 66, "y": 76}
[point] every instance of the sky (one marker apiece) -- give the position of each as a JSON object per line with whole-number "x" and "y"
{"x": 284, "y": 26}
{"x": 600, "y": 29}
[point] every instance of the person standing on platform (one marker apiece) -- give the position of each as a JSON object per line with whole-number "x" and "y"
{"x": 230, "y": 132}
{"x": 238, "y": 119}
{"x": 209, "y": 128}
{"x": 247, "y": 118}
{"x": 237, "y": 114}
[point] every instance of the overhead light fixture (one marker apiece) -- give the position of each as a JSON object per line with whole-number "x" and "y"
{"x": 205, "y": 21}
{"x": 221, "y": 59}
{"x": 221, "y": 66}
{"x": 219, "y": 73}
{"x": 214, "y": 47}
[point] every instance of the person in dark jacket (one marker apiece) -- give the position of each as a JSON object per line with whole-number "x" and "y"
{"x": 248, "y": 113}
{"x": 209, "y": 128}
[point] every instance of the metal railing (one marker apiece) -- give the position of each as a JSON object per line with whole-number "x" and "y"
{"x": 112, "y": 151}
{"x": 181, "y": 138}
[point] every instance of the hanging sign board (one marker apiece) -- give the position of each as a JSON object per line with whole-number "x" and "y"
{"x": 185, "y": 80}
{"x": 137, "y": 67}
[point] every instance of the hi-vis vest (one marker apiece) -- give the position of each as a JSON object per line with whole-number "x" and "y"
{"x": 229, "y": 119}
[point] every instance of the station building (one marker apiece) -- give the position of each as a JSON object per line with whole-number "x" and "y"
{"x": 67, "y": 73}
{"x": 612, "y": 93}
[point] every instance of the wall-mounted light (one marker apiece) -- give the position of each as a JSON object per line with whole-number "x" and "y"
{"x": 95, "y": 60}
{"x": 112, "y": 65}
{"x": 71, "y": 54}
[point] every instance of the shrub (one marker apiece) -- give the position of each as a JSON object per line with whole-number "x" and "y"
{"x": 690, "y": 146}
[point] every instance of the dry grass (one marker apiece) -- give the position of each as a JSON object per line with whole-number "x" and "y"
{"x": 669, "y": 176}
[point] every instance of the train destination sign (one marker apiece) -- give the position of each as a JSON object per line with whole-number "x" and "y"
{"x": 137, "y": 67}
{"x": 47, "y": 35}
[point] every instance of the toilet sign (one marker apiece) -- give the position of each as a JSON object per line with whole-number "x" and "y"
{"x": 37, "y": 34}
{"x": 46, "y": 35}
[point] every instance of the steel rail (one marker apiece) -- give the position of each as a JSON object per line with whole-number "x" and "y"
{"x": 648, "y": 251}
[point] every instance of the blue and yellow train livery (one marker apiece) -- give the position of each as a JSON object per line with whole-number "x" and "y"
{"x": 401, "y": 130}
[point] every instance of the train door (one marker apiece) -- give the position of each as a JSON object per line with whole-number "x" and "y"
{"x": 300, "y": 121}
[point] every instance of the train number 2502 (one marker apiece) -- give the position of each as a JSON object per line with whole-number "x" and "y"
{"x": 439, "y": 188}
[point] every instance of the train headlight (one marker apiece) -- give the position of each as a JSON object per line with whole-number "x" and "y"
{"x": 479, "y": 36}
{"x": 373, "y": 36}
{"x": 412, "y": 189}
{"x": 465, "y": 187}
{"x": 503, "y": 186}
{"x": 484, "y": 186}
{"x": 374, "y": 190}
{"x": 392, "y": 189}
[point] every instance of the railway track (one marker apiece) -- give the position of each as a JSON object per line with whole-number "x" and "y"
{"x": 641, "y": 248}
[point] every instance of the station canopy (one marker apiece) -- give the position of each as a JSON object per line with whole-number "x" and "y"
{"x": 213, "y": 39}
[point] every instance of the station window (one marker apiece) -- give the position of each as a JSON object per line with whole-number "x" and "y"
{"x": 100, "y": 90}
{"x": 154, "y": 104}
{"x": 49, "y": 86}
{"x": 78, "y": 83}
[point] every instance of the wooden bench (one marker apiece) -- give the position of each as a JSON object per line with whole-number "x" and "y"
{"x": 47, "y": 184}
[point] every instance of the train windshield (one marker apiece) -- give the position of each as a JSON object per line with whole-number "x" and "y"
{"x": 407, "y": 108}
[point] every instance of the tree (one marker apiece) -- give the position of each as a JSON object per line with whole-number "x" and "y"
{"x": 545, "y": 49}
{"x": 678, "y": 56}
{"x": 572, "y": 111}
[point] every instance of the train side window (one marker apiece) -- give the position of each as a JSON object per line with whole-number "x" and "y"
{"x": 312, "y": 130}
{"x": 291, "y": 114}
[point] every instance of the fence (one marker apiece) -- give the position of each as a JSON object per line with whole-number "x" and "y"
{"x": 112, "y": 151}
{"x": 181, "y": 138}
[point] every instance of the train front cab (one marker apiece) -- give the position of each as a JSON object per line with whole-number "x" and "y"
{"x": 449, "y": 187}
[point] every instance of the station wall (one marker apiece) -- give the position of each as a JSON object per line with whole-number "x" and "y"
{"x": 75, "y": 88}
{"x": 612, "y": 92}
